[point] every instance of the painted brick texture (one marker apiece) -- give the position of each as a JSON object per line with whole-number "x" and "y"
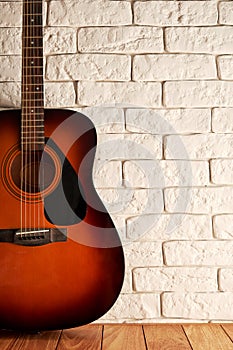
{"x": 156, "y": 78}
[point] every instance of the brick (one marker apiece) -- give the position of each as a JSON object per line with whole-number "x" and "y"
{"x": 222, "y": 120}
{"x": 129, "y": 146}
{"x": 135, "y": 306}
{"x": 200, "y": 146}
{"x": 11, "y": 14}
{"x": 225, "y": 64}
{"x": 89, "y": 13}
{"x": 10, "y": 68}
{"x": 10, "y": 94}
{"x": 198, "y": 94}
{"x": 226, "y": 13}
{"x": 59, "y": 94}
{"x": 165, "y": 173}
{"x": 186, "y": 279}
{"x": 223, "y": 226}
{"x": 101, "y": 93}
{"x": 199, "y": 253}
{"x": 174, "y": 67}
{"x": 169, "y": 226}
{"x": 143, "y": 254}
{"x": 56, "y": 94}
{"x": 106, "y": 120}
{"x": 215, "y": 306}
{"x": 132, "y": 202}
{"x": 119, "y": 222}
{"x": 127, "y": 285}
{"x": 59, "y": 40}
{"x": 173, "y": 13}
{"x": 121, "y": 40}
{"x": 213, "y": 40}
{"x": 212, "y": 200}
{"x": 107, "y": 174}
{"x": 89, "y": 67}
{"x": 226, "y": 280}
{"x": 10, "y": 41}
{"x": 12, "y": 11}
{"x": 222, "y": 171}
{"x": 165, "y": 121}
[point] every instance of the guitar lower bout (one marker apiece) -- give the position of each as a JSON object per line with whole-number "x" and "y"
{"x": 61, "y": 259}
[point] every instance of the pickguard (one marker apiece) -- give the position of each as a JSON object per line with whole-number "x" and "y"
{"x": 65, "y": 205}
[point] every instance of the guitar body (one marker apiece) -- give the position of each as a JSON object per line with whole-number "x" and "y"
{"x": 51, "y": 283}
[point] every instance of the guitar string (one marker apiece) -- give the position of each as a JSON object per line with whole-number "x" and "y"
{"x": 33, "y": 151}
{"x": 25, "y": 139}
{"x": 31, "y": 114}
{"x": 38, "y": 29}
{"x": 29, "y": 70}
{"x": 42, "y": 96}
{"x": 26, "y": 114}
{"x": 22, "y": 128}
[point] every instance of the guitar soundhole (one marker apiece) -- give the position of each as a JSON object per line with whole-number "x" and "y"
{"x": 30, "y": 175}
{"x": 36, "y": 174}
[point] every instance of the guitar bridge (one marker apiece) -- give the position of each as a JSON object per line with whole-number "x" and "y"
{"x": 32, "y": 237}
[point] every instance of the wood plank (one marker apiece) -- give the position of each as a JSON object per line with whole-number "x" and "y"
{"x": 81, "y": 338}
{"x": 228, "y": 328}
{"x": 125, "y": 337}
{"x": 207, "y": 337}
{"x": 166, "y": 337}
{"x": 37, "y": 341}
{"x": 7, "y": 339}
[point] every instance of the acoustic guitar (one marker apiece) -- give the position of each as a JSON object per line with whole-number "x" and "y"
{"x": 61, "y": 259}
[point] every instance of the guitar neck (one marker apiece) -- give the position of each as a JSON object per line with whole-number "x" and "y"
{"x": 32, "y": 89}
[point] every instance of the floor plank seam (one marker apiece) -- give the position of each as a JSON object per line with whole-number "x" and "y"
{"x": 144, "y": 335}
{"x": 102, "y": 338}
{"x": 187, "y": 338}
{"x": 59, "y": 338}
{"x": 226, "y": 333}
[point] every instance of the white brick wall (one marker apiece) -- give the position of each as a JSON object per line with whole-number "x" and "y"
{"x": 156, "y": 78}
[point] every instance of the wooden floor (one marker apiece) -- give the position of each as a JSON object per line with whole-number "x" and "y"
{"x": 126, "y": 337}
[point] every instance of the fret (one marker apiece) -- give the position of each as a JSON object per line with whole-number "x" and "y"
{"x": 31, "y": 135}
{"x": 25, "y": 100}
{"x": 33, "y": 75}
{"x": 31, "y": 139}
{"x": 38, "y": 120}
{"x": 38, "y": 132}
{"x": 33, "y": 37}
{"x": 32, "y": 84}
{"x": 26, "y": 57}
{"x": 31, "y": 125}
{"x": 32, "y": 143}
{"x": 27, "y": 139}
{"x": 32, "y": 92}
{"x": 35, "y": 120}
{"x": 32, "y": 25}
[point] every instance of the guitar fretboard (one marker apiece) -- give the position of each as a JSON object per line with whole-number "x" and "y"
{"x": 32, "y": 94}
